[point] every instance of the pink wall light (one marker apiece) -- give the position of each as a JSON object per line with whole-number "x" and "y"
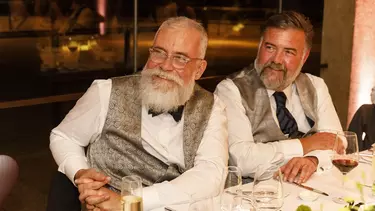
{"x": 363, "y": 60}
{"x": 101, "y": 7}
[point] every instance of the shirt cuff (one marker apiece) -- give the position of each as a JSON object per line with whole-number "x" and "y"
{"x": 151, "y": 198}
{"x": 70, "y": 167}
{"x": 290, "y": 148}
{"x": 324, "y": 159}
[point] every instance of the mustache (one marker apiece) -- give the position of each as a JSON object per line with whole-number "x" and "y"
{"x": 275, "y": 66}
{"x": 163, "y": 74}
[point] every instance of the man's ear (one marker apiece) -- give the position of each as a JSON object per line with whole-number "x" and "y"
{"x": 306, "y": 55}
{"x": 200, "y": 70}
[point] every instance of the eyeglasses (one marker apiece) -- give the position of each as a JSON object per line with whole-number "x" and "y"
{"x": 178, "y": 61}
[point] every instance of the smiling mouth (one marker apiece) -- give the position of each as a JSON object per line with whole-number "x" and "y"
{"x": 160, "y": 77}
{"x": 270, "y": 68}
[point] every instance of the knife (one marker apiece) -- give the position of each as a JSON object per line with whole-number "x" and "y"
{"x": 311, "y": 189}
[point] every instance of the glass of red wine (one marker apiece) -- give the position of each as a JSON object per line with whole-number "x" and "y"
{"x": 348, "y": 159}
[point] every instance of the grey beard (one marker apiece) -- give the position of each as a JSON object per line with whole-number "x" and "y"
{"x": 280, "y": 84}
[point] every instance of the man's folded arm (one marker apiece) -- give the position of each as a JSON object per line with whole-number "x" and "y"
{"x": 244, "y": 152}
{"x": 80, "y": 126}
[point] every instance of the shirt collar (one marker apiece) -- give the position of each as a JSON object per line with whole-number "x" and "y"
{"x": 287, "y": 91}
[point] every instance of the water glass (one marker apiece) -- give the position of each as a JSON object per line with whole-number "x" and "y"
{"x": 232, "y": 179}
{"x": 131, "y": 193}
{"x": 268, "y": 187}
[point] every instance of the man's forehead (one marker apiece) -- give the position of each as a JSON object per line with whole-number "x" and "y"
{"x": 176, "y": 33}
{"x": 290, "y": 35}
{"x": 172, "y": 39}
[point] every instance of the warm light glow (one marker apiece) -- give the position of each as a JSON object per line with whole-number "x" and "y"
{"x": 363, "y": 60}
{"x": 216, "y": 43}
{"x": 101, "y": 5}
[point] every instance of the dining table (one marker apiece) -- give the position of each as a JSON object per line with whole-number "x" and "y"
{"x": 329, "y": 181}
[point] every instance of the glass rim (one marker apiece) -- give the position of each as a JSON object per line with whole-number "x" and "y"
{"x": 134, "y": 178}
{"x": 348, "y": 133}
{"x": 233, "y": 168}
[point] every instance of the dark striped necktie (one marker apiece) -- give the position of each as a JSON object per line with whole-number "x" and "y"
{"x": 286, "y": 121}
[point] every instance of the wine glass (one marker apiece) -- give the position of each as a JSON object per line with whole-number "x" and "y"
{"x": 348, "y": 160}
{"x": 131, "y": 193}
{"x": 268, "y": 187}
{"x": 232, "y": 179}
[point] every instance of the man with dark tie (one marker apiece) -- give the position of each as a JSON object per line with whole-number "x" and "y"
{"x": 273, "y": 109}
{"x": 159, "y": 125}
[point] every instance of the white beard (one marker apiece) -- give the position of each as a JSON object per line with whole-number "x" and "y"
{"x": 161, "y": 96}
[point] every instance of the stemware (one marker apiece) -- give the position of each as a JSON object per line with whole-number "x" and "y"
{"x": 348, "y": 160}
{"x": 232, "y": 179}
{"x": 131, "y": 193}
{"x": 268, "y": 187}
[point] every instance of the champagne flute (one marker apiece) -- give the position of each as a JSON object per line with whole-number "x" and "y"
{"x": 268, "y": 187}
{"x": 232, "y": 179}
{"x": 131, "y": 193}
{"x": 348, "y": 160}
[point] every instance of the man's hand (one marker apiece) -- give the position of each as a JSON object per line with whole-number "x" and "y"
{"x": 90, "y": 179}
{"x": 94, "y": 201}
{"x": 322, "y": 141}
{"x": 92, "y": 174}
{"x": 304, "y": 166}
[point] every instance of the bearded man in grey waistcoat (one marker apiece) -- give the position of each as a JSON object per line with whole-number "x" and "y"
{"x": 158, "y": 125}
{"x": 273, "y": 108}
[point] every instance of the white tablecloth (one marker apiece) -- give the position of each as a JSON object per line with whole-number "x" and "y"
{"x": 329, "y": 181}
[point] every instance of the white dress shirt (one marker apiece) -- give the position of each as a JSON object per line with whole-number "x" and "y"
{"x": 162, "y": 137}
{"x": 247, "y": 154}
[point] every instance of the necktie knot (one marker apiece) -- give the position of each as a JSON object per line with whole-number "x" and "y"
{"x": 280, "y": 99}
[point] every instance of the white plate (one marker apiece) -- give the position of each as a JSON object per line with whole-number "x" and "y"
{"x": 308, "y": 195}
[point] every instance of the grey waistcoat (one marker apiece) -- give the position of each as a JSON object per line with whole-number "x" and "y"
{"x": 256, "y": 102}
{"x": 119, "y": 151}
